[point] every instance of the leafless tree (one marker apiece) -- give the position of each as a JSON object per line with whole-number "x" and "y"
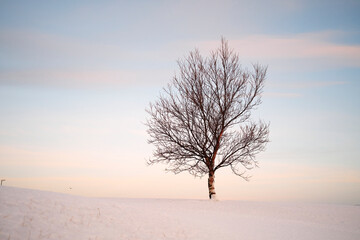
{"x": 202, "y": 123}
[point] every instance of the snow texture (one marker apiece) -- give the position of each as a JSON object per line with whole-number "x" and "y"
{"x": 30, "y": 214}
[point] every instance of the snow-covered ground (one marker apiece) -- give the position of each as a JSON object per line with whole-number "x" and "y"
{"x": 30, "y": 214}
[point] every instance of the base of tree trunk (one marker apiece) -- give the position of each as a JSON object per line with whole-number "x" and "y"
{"x": 214, "y": 198}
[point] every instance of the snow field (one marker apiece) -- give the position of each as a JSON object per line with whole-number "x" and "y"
{"x": 30, "y": 214}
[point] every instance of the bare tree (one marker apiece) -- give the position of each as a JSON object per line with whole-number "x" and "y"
{"x": 202, "y": 121}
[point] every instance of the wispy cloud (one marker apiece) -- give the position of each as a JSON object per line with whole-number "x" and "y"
{"x": 78, "y": 78}
{"x": 310, "y": 49}
{"x": 61, "y": 61}
{"x": 305, "y": 84}
{"x": 39, "y": 45}
{"x": 297, "y": 86}
{"x": 53, "y": 60}
{"x": 69, "y": 52}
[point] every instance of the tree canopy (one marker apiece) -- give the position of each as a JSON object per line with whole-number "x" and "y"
{"x": 201, "y": 122}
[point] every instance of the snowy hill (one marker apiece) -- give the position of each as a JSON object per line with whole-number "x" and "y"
{"x": 31, "y": 214}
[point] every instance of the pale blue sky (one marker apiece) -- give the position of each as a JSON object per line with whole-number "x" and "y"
{"x": 75, "y": 79}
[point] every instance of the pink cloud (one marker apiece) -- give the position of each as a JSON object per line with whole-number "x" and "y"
{"x": 311, "y": 49}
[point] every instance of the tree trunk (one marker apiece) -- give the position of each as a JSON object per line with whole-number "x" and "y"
{"x": 211, "y": 186}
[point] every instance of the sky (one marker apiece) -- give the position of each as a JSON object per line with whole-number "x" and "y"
{"x": 77, "y": 76}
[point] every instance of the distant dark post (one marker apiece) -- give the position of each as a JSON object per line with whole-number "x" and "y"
{"x": 2, "y": 180}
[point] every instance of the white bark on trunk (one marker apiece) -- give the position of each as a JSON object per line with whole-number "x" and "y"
{"x": 211, "y": 185}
